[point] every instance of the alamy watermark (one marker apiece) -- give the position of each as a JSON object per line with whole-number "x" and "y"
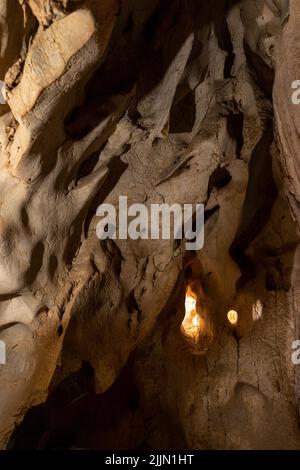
{"x": 296, "y": 344}
{"x": 296, "y": 353}
{"x": 2, "y": 93}
{"x": 296, "y": 93}
{"x": 2, "y": 353}
{"x": 161, "y": 222}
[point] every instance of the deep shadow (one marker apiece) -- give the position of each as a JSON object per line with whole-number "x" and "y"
{"x": 76, "y": 417}
{"x": 260, "y": 197}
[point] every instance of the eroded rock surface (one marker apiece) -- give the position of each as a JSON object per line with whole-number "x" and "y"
{"x": 164, "y": 102}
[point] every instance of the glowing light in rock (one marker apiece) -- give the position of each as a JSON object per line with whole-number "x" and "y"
{"x": 190, "y": 303}
{"x": 191, "y": 321}
{"x": 233, "y": 317}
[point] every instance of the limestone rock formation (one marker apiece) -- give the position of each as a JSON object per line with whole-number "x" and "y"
{"x": 162, "y": 101}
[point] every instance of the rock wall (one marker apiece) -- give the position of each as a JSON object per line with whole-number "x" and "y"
{"x": 171, "y": 101}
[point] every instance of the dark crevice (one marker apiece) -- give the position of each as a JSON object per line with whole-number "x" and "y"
{"x": 75, "y": 416}
{"x": 87, "y": 167}
{"x": 183, "y": 113}
{"x": 223, "y": 36}
{"x": 219, "y": 179}
{"x": 116, "y": 169}
{"x": 262, "y": 74}
{"x": 210, "y": 212}
{"x": 260, "y": 197}
{"x": 36, "y": 263}
{"x": 132, "y": 307}
{"x": 235, "y": 125}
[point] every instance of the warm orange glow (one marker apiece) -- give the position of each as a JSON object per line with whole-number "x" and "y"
{"x": 191, "y": 321}
{"x": 190, "y": 302}
{"x": 233, "y": 317}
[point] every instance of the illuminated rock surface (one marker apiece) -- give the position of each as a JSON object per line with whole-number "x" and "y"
{"x": 162, "y": 101}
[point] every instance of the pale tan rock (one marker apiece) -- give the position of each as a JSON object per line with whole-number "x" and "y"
{"x": 164, "y": 102}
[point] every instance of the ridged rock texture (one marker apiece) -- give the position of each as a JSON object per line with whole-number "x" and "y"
{"x": 162, "y": 101}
